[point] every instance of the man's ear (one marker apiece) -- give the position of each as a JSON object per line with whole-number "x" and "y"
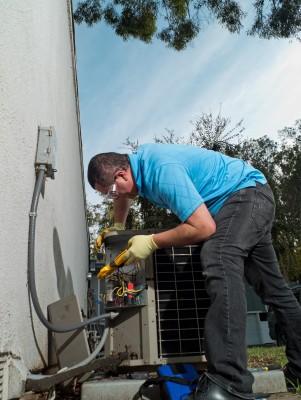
{"x": 121, "y": 173}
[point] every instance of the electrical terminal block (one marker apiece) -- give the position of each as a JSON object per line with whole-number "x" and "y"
{"x": 125, "y": 288}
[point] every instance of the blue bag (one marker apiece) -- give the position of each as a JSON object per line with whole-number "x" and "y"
{"x": 176, "y": 380}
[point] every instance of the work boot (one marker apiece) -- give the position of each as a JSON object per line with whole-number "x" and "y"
{"x": 292, "y": 379}
{"x": 208, "y": 390}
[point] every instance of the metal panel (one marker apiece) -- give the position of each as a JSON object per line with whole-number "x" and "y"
{"x": 71, "y": 347}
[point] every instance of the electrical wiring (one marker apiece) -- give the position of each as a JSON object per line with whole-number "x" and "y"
{"x": 122, "y": 288}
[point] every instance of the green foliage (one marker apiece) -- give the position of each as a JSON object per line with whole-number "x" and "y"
{"x": 89, "y": 11}
{"x": 228, "y": 13}
{"x": 135, "y": 19}
{"x": 178, "y": 22}
{"x": 153, "y": 216}
{"x": 179, "y": 34}
{"x": 280, "y": 161}
{"x": 99, "y": 216}
{"x": 264, "y": 356}
{"x": 289, "y": 232}
{"x": 212, "y": 133}
{"x": 277, "y": 19}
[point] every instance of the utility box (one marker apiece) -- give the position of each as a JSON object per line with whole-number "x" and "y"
{"x": 257, "y": 324}
{"x": 162, "y": 303}
{"x": 46, "y": 149}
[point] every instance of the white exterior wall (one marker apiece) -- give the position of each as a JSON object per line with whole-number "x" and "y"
{"x": 38, "y": 88}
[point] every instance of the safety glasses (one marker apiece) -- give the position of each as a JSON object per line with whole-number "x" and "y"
{"x": 112, "y": 193}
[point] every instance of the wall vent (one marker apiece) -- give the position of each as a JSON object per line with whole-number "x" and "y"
{"x": 3, "y": 377}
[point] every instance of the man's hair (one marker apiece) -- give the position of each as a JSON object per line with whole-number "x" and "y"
{"x": 103, "y": 166}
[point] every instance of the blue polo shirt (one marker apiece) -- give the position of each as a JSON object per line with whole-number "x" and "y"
{"x": 181, "y": 178}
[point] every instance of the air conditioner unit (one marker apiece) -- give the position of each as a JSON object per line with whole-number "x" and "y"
{"x": 162, "y": 304}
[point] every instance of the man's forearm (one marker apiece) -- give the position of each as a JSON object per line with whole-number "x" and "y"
{"x": 182, "y": 235}
{"x": 198, "y": 227}
{"x": 121, "y": 209}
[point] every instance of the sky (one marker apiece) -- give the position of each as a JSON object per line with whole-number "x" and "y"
{"x": 137, "y": 91}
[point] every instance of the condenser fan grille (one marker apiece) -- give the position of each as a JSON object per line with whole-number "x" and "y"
{"x": 181, "y": 301}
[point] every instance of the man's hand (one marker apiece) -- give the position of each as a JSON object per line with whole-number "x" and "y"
{"x": 118, "y": 226}
{"x": 140, "y": 247}
{"x": 99, "y": 240}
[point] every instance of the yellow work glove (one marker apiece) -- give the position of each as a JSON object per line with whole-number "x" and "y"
{"x": 118, "y": 226}
{"x": 140, "y": 247}
{"x": 98, "y": 242}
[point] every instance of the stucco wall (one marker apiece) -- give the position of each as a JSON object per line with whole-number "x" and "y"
{"x": 38, "y": 88}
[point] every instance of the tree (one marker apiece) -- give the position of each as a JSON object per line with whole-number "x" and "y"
{"x": 281, "y": 164}
{"x": 209, "y": 132}
{"x": 289, "y": 217}
{"x": 178, "y": 22}
{"x": 212, "y": 133}
{"x": 98, "y": 215}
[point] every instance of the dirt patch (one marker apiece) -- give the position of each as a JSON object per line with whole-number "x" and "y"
{"x": 284, "y": 396}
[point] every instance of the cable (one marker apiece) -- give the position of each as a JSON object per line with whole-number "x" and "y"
{"x": 31, "y": 264}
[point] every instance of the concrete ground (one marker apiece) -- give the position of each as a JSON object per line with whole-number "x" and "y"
{"x": 272, "y": 381}
{"x": 276, "y": 396}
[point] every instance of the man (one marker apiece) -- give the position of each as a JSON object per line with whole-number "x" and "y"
{"x": 226, "y": 204}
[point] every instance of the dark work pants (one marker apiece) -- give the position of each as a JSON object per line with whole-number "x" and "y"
{"x": 241, "y": 246}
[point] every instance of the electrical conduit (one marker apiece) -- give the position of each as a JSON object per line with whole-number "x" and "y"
{"x": 32, "y": 285}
